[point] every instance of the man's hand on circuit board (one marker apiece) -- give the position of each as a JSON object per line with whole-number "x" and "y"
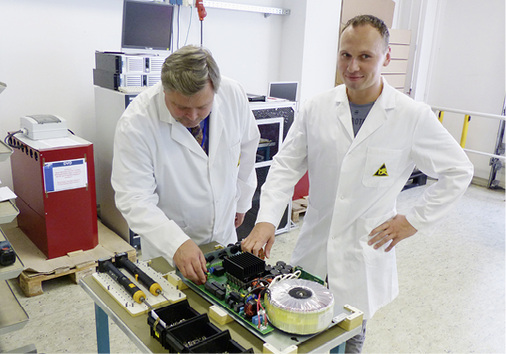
{"x": 261, "y": 235}
{"x": 191, "y": 262}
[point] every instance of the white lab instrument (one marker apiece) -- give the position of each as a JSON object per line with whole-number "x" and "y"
{"x": 43, "y": 126}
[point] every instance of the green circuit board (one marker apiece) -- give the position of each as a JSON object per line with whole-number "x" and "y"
{"x": 242, "y": 296}
{"x": 230, "y": 287}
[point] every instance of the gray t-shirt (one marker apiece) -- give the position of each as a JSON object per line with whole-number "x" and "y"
{"x": 358, "y": 114}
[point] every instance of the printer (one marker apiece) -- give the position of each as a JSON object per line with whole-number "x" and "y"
{"x": 43, "y": 126}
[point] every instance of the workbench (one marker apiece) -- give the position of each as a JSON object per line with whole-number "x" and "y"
{"x": 137, "y": 328}
{"x": 13, "y": 316}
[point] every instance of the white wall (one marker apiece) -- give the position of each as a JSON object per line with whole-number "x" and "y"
{"x": 427, "y": 22}
{"x": 309, "y": 45}
{"x": 468, "y": 71}
{"x": 244, "y": 44}
{"x": 321, "y": 39}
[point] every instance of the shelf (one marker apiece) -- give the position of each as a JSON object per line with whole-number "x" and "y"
{"x": 5, "y": 151}
{"x": 12, "y": 317}
{"x": 8, "y": 211}
{"x": 12, "y": 271}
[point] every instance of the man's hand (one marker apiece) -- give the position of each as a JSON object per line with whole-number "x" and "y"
{"x": 396, "y": 229}
{"x": 239, "y": 219}
{"x": 191, "y": 262}
{"x": 261, "y": 235}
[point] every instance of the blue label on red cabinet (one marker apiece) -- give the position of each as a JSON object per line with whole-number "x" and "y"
{"x": 64, "y": 175}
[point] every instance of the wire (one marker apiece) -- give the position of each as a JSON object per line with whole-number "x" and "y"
{"x": 259, "y": 305}
{"x": 202, "y": 14}
{"x": 282, "y": 277}
{"x": 189, "y": 26}
{"x": 178, "y": 22}
{"x": 9, "y": 136}
{"x": 201, "y": 33}
{"x": 258, "y": 310}
{"x": 258, "y": 280}
{"x": 251, "y": 292}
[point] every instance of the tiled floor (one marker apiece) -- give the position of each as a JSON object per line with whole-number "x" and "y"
{"x": 452, "y": 292}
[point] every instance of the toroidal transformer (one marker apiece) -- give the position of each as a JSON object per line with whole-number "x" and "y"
{"x": 299, "y": 306}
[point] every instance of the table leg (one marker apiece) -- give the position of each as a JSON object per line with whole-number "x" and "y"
{"x": 340, "y": 349}
{"x": 102, "y": 326}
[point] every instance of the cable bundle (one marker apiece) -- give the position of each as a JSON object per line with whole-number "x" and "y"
{"x": 299, "y": 306}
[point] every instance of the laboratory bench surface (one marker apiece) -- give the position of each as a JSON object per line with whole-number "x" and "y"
{"x": 137, "y": 328}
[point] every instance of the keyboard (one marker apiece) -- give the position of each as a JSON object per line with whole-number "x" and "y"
{"x": 285, "y": 112}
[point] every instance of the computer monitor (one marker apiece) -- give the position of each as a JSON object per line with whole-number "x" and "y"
{"x": 147, "y": 25}
{"x": 286, "y": 90}
{"x": 271, "y": 138}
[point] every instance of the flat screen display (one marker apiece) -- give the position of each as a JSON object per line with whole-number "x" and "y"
{"x": 147, "y": 25}
{"x": 286, "y": 90}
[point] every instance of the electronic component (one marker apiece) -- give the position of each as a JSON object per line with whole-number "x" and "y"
{"x": 215, "y": 289}
{"x": 220, "y": 253}
{"x": 250, "y": 307}
{"x": 43, "y": 126}
{"x": 299, "y": 306}
{"x": 244, "y": 266}
{"x": 218, "y": 271}
{"x": 7, "y": 255}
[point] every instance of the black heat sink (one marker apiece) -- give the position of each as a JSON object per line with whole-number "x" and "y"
{"x": 244, "y": 266}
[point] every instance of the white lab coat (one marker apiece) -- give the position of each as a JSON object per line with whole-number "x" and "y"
{"x": 347, "y": 200}
{"x": 167, "y": 188}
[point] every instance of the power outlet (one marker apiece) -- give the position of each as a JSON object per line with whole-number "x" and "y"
{"x": 189, "y": 3}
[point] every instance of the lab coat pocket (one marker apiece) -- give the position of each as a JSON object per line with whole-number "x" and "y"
{"x": 379, "y": 266}
{"x": 382, "y": 166}
{"x": 235, "y": 154}
{"x": 366, "y": 225}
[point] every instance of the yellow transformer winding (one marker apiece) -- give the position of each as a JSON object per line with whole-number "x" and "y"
{"x": 299, "y": 306}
